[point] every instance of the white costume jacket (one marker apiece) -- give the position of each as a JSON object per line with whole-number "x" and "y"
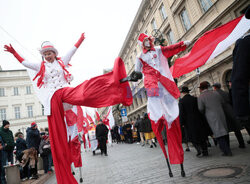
{"x": 161, "y": 89}
{"x": 53, "y": 79}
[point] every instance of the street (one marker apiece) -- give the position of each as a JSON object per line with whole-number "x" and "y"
{"x": 133, "y": 164}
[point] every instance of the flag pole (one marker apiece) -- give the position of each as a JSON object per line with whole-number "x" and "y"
{"x": 169, "y": 169}
{"x": 183, "y": 174}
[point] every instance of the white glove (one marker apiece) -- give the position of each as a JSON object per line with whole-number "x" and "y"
{"x": 187, "y": 43}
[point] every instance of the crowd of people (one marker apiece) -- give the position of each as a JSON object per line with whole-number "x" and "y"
{"x": 211, "y": 114}
{"x": 25, "y": 151}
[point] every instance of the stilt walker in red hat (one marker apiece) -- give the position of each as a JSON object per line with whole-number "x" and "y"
{"x": 162, "y": 94}
{"x": 52, "y": 86}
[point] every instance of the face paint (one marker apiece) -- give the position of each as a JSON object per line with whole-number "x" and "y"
{"x": 147, "y": 43}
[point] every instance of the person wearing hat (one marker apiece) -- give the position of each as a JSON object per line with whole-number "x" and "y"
{"x": 9, "y": 145}
{"x": 232, "y": 124}
{"x": 193, "y": 122}
{"x": 45, "y": 152}
{"x": 51, "y": 81}
{"x": 162, "y": 91}
{"x": 211, "y": 104}
{"x": 33, "y": 140}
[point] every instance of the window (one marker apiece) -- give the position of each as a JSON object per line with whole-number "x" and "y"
{"x": 28, "y": 90}
{"x": 163, "y": 12}
{"x": 205, "y": 4}
{"x": 30, "y": 111}
{"x": 2, "y": 92}
{"x": 17, "y": 112}
{"x": 3, "y": 114}
{"x": 170, "y": 37}
{"x": 185, "y": 20}
{"x": 15, "y": 91}
{"x": 153, "y": 24}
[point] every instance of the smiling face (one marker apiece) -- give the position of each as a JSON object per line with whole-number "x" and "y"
{"x": 49, "y": 56}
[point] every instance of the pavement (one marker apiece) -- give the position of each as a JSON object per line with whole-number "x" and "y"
{"x": 133, "y": 164}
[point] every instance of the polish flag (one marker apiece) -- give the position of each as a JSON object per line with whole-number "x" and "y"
{"x": 97, "y": 115}
{"x": 211, "y": 44}
{"x": 71, "y": 121}
{"x": 89, "y": 118}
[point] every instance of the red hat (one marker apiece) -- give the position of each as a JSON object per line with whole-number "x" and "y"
{"x": 47, "y": 46}
{"x": 33, "y": 124}
{"x": 142, "y": 37}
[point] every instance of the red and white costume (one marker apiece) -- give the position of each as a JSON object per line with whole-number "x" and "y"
{"x": 162, "y": 93}
{"x": 52, "y": 80}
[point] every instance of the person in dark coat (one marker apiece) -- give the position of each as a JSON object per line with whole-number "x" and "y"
{"x": 230, "y": 118}
{"x": 240, "y": 79}
{"x": 21, "y": 145}
{"x": 102, "y": 136}
{"x": 211, "y": 104}
{"x": 9, "y": 144}
{"x": 1, "y": 165}
{"x": 116, "y": 134}
{"x": 193, "y": 121}
{"x": 33, "y": 141}
{"x": 45, "y": 152}
{"x": 149, "y": 134}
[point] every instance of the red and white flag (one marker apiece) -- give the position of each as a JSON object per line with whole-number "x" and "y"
{"x": 72, "y": 118}
{"x": 210, "y": 45}
{"x": 89, "y": 118}
{"x": 97, "y": 115}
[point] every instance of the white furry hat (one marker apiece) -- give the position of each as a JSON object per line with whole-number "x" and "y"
{"x": 46, "y": 46}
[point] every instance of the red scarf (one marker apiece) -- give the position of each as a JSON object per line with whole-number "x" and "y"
{"x": 41, "y": 73}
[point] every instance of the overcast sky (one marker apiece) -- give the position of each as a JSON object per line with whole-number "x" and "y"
{"x": 30, "y": 22}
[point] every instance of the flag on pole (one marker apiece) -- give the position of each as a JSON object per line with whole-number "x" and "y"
{"x": 210, "y": 45}
{"x": 89, "y": 118}
{"x": 97, "y": 115}
{"x": 71, "y": 121}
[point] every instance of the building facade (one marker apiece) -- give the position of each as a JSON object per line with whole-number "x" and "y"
{"x": 180, "y": 20}
{"x": 18, "y": 102}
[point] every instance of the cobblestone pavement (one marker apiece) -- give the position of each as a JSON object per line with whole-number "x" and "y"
{"x": 133, "y": 164}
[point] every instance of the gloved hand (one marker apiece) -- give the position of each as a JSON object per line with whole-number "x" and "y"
{"x": 187, "y": 43}
{"x": 79, "y": 42}
{"x": 12, "y": 51}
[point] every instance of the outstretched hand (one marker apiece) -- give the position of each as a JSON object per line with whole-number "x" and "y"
{"x": 79, "y": 42}
{"x": 12, "y": 51}
{"x": 9, "y": 49}
{"x": 83, "y": 36}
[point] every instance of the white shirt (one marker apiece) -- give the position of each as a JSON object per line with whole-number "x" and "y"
{"x": 53, "y": 78}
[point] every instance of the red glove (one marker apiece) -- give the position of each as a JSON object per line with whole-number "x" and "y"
{"x": 12, "y": 51}
{"x": 79, "y": 42}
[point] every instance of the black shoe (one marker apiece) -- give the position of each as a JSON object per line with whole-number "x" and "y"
{"x": 242, "y": 146}
{"x": 248, "y": 142}
{"x": 198, "y": 154}
{"x": 93, "y": 152}
{"x": 154, "y": 144}
{"x": 187, "y": 149}
{"x": 227, "y": 154}
{"x": 204, "y": 153}
{"x": 151, "y": 146}
{"x": 34, "y": 177}
{"x": 106, "y": 154}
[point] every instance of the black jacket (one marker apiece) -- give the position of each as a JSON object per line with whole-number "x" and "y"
{"x": 33, "y": 138}
{"x": 241, "y": 77}
{"x": 193, "y": 121}
{"x": 101, "y": 131}
{"x": 147, "y": 124}
{"x": 21, "y": 145}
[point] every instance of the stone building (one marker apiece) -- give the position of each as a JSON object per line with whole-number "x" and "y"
{"x": 180, "y": 20}
{"x": 18, "y": 102}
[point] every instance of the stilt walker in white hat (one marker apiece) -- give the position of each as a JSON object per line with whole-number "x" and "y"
{"x": 52, "y": 87}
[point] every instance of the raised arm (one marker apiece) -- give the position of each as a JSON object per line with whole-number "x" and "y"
{"x": 66, "y": 59}
{"x": 171, "y": 50}
{"x": 33, "y": 66}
